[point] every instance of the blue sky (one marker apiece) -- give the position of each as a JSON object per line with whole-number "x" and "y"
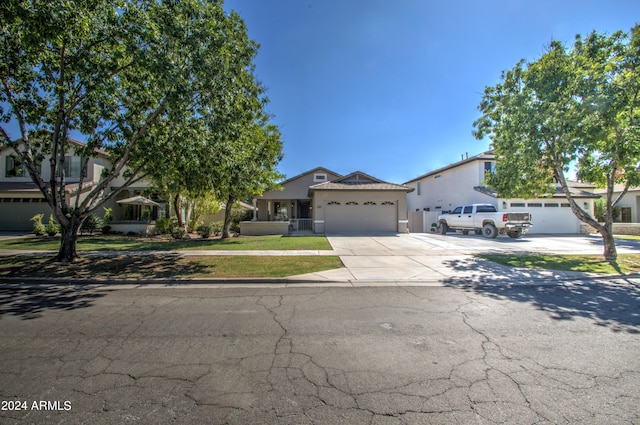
{"x": 391, "y": 87}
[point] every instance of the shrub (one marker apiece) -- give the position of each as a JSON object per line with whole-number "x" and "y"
{"x": 204, "y": 230}
{"x": 38, "y": 227}
{"x": 165, "y": 225}
{"x": 217, "y": 227}
{"x": 52, "y": 227}
{"x": 91, "y": 224}
{"x": 178, "y": 232}
{"x": 108, "y": 215}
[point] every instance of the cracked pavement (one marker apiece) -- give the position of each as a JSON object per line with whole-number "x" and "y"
{"x": 369, "y": 355}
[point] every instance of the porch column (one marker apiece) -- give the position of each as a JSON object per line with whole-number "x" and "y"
{"x": 255, "y": 210}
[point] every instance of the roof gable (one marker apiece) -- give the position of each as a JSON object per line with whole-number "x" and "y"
{"x": 359, "y": 181}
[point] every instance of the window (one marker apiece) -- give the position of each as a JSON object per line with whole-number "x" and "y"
{"x": 551, "y": 205}
{"x": 625, "y": 214}
{"x": 370, "y": 203}
{"x": 534, "y": 205}
{"x": 280, "y": 211}
{"x": 565, "y": 205}
{"x": 387, "y": 203}
{"x": 419, "y": 189}
{"x": 457, "y": 211}
{"x": 333, "y": 203}
{"x": 468, "y": 209}
{"x": 351, "y": 203}
{"x": 518, "y": 205}
{"x": 319, "y": 177}
{"x": 488, "y": 168}
{"x": 486, "y": 209}
{"x": 73, "y": 166}
{"x": 14, "y": 168}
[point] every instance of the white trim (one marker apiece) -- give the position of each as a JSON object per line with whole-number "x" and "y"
{"x": 403, "y": 221}
{"x": 318, "y": 221}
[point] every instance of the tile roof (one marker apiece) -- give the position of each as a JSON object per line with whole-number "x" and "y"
{"x": 360, "y": 181}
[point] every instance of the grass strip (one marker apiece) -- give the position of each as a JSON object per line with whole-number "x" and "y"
{"x": 135, "y": 243}
{"x": 627, "y": 263}
{"x": 167, "y": 266}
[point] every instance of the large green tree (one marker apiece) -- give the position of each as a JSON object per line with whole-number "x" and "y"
{"x": 227, "y": 146}
{"x": 111, "y": 70}
{"x": 571, "y": 107}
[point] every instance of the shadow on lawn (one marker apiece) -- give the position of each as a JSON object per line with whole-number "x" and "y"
{"x": 29, "y": 302}
{"x": 103, "y": 267}
{"x": 612, "y": 304}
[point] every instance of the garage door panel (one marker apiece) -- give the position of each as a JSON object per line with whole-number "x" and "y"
{"x": 361, "y": 216}
{"x": 553, "y": 220}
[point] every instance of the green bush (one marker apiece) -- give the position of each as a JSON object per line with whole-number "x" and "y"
{"x": 178, "y": 232}
{"x": 52, "y": 227}
{"x": 204, "y": 230}
{"x": 165, "y": 225}
{"x": 108, "y": 215}
{"x": 38, "y": 227}
{"x": 91, "y": 224}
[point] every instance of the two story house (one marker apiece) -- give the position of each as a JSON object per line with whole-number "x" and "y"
{"x": 21, "y": 199}
{"x": 462, "y": 183}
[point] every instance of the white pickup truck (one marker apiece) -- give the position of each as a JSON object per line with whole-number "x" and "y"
{"x": 485, "y": 219}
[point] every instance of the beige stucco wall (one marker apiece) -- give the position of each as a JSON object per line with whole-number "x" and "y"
{"x": 445, "y": 190}
{"x": 261, "y": 228}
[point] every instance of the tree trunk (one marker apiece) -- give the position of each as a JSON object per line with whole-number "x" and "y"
{"x": 176, "y": 207}
{"x": 67, "y": 252}
{"x": 610, "y": 251}
{"x": 227, "y": 217}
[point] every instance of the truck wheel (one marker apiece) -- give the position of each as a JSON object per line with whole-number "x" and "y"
{"x": 489, "y": 231}
{"x": 514, "y": 234}
{"x": 443, "y": 228}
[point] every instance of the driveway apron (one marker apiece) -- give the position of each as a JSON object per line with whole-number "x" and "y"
{"x": 416, "y": 259}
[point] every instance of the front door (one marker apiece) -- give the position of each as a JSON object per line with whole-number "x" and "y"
{"x": 304, "y": 209}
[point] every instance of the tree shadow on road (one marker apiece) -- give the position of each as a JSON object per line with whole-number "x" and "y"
{"x": 612, "y": 303}
{"x": 30, "y": 302}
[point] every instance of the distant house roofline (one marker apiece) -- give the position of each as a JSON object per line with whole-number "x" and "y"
{"x": 487, "y": 155}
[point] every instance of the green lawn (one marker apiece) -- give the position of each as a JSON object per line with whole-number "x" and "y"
{"x": 627, "y": 263}
{"x": 132, "y": 243}
{"x": 167, "y": 266}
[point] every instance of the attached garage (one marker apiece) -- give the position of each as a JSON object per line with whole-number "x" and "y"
{"x": 372, "y": 216}
{"x": 359, "y": 204}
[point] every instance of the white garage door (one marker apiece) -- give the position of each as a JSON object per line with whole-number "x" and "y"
{"x": 374, "y": 216}
{"x": 550, "y": 217}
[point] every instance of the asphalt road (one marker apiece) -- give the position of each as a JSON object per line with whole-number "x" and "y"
{"x": 370, "y": 355}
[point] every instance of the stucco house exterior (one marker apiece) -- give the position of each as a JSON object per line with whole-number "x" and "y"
{"x": 462, "y": 183}
{"x": 20, "y": 198}
{"x": 323, "y": 201}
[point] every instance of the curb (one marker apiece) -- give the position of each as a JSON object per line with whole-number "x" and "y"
{"x": 461, "y": 282}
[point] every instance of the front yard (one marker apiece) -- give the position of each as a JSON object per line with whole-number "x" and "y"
{"x": 132, "y": 243}
{"x": 627, "y": 263}
{"x": 167, "y": 266}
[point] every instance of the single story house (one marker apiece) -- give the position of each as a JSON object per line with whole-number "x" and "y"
{"x": 323, "y": 201}
{"x": 462, "y": 183}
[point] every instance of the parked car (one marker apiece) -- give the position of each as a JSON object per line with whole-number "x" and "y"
{"x": 486, "y": 220}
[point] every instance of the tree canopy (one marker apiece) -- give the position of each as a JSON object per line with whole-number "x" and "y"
{"x": 135, "y": 77}
{"x": 571, "y": 107}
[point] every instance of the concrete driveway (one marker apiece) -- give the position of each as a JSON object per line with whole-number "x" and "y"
{"x": 427, "y": 258}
